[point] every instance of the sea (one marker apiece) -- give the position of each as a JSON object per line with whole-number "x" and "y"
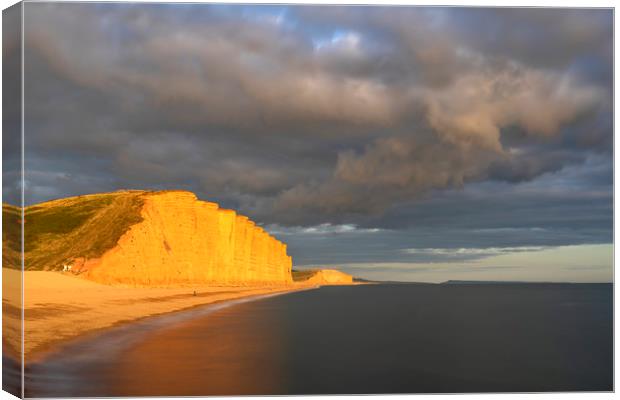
{"x": 365, "y": 339}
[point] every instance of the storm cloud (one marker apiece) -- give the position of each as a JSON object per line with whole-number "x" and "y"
{"x": 398, "y": 122}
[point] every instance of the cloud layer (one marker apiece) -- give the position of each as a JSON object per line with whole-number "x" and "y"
{"x": 308, "y": 117}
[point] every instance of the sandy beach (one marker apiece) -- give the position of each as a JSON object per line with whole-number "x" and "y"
{"x": 59, "y": 307}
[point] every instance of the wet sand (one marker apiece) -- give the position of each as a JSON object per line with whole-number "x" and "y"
{"x": 103, "y": 364}
{"x": 61, "y": 307}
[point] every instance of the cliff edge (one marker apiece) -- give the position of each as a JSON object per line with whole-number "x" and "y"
{"x": 143, "y": 238}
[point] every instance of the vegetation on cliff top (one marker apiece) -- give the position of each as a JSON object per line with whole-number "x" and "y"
{"x": 59, "y": 231}
{"x": 11, "y": 246}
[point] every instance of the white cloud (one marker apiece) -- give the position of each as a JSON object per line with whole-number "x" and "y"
{"x": 322, "y": 229}
{"x": 488, "y": 251}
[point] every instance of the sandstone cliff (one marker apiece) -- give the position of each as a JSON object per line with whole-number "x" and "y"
{"x": 152, "y": 239}
{"x": 184, "y": 240}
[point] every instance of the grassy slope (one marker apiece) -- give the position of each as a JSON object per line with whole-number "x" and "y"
{"x": 11, "y": 246}
{"x": 61, "y": 230}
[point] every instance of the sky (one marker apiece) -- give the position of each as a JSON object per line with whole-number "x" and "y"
{"x": 397, "y": 143}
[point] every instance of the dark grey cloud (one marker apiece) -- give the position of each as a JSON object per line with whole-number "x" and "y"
{"x": 11, "y": 109}
{"x": 483, "y": 216}
{"x": 427, "y": 124}
{"x": 536, "y": 37}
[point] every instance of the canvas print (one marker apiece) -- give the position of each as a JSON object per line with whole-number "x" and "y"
{"x": 205, "y": 199}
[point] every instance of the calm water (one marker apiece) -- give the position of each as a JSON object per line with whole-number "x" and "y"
{"x": 363, "y": 339}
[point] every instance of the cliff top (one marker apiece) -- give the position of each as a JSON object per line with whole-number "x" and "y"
{"x": 86, "y": 197}
{"x": 59, "y": 230}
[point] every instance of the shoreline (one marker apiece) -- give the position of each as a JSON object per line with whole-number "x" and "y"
{"x": 60, "y": 309}
{"x": 55, "y": 349}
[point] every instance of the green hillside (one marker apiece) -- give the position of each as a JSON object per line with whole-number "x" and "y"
{"x": 58, "y": 231}
{"x": 11, "y": 247}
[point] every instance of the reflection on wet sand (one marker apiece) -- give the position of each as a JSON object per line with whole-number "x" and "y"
{"x": 11, "y": 332}
{"x": 230, "y": 352}
{"x": 217, "y": 349}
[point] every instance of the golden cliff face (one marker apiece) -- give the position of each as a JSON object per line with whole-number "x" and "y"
{"x": 183, "y": 240}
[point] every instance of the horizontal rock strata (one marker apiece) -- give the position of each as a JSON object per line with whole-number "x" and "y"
{"x": 182, "y": 240}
